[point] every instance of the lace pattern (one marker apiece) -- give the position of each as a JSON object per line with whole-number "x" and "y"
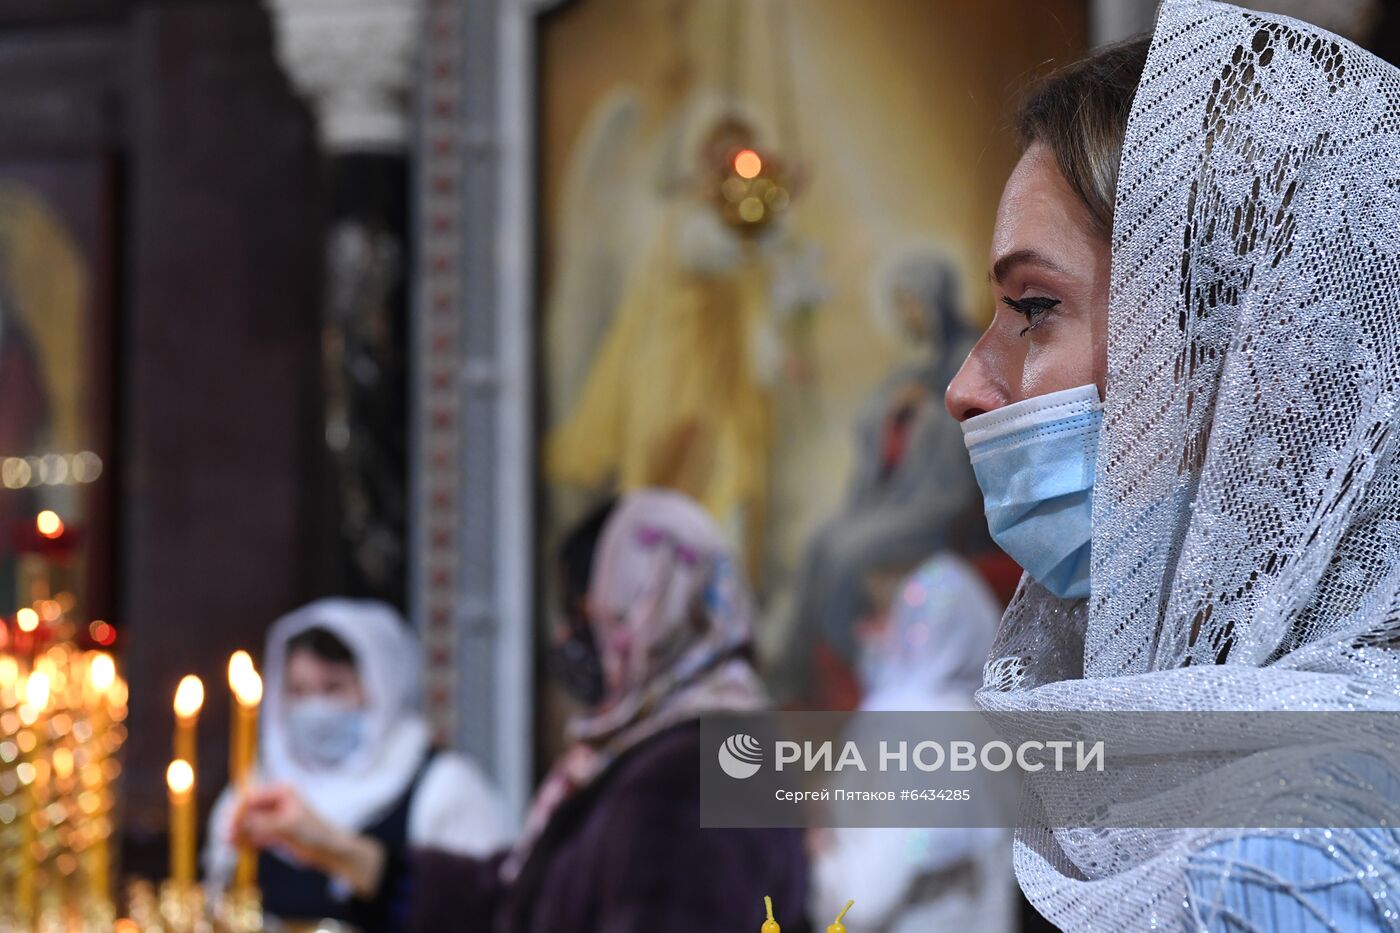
{"x": 1247, "y": 499}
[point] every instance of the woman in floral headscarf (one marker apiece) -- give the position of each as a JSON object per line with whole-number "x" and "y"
{"x": 613, "y": 839}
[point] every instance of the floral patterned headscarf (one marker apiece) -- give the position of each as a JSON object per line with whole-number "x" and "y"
{"x": 672, "y": 618}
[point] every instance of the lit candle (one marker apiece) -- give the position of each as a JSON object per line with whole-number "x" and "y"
{"x": 770, "y": 925}
{"x": 189, "y": 699}
{"x": 246, "y": 685}
{"x": 27, "y": 621}
{"x": 101, "y": 677}
{"x": 34, "y": 700}
{"x": 179, "y": 778}
{"x": 838, "y": 926}
{"x": 102, "y": 673}
{"x": 49, "y": 525}
{"x": 36, "y": 693}
{"x": 247, "y": 688}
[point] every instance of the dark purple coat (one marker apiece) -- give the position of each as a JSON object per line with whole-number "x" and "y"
{"x": 626, "y": 855}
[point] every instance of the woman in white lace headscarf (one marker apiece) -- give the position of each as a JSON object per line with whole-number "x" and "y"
{"x": 1222, "y": 530}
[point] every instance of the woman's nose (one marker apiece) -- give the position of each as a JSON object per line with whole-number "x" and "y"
{"x": 972, "y": 392}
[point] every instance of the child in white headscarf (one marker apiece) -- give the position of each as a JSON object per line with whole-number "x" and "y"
{"x": 347, "y": 754}
{"x": 928, "y": 656}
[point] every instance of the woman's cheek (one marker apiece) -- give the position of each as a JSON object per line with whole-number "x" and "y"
{"x": 1062, "y": 359}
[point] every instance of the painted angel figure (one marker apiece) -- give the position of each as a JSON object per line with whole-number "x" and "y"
{"x": 689, "y": 337}
{"x": 911, "y": 477}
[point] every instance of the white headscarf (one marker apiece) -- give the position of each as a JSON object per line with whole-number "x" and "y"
{"x": 454, "y": 807}
{"x": 1246, "y": 526}
{"x": 396, "y": 737}
{"x": 929, "y": 659}
{"x": 939, "y": 635}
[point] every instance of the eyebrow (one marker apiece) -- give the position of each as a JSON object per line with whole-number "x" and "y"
{"x": 1023, "y": 257}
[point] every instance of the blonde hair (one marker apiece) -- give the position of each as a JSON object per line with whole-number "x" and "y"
{"x": 1080, "y": 113}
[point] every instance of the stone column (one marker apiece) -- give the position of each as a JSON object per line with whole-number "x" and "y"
{"x": 354, "y": 63}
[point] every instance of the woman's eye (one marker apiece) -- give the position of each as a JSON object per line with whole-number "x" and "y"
{"x": 1033, "y": 309}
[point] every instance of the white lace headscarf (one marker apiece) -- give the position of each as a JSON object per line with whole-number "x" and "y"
{"x": 1246, "y": 542}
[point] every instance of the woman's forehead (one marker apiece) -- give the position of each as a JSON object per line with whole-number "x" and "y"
{"x": 305, "y": 661}
{"x": 1039, "y": 219}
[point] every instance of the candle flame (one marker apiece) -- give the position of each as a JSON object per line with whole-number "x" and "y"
{"x": 189, "y": 697}
{"x": 27, "y": 619}
{"x": 63, "y": 763}
{"x": 48, "y": 524}
{"x": 240, "y": 663}
{"x": 747, "y": 163}
{"x": 179, "y": 777}
{"x": 102, "y": 671}
{"x": 248, "y": 688}
{"x": 36, "y": 691}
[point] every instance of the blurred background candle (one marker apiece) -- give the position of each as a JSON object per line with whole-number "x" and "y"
{"x": 101, "y": 679}
{"x": 13, "y": 810}
{"x": 34, "y": 697}
{"x": 247, "y": 694}
{"x": 189, "y": 699}
{"x": 179, "y": 780}
{"x": 246, "y": 685}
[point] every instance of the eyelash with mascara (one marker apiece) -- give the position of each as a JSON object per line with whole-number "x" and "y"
{"x": 1034, "y": 309}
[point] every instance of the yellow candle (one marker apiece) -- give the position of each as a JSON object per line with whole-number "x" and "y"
{"x": 189, "y": 700}
{"x": 838, "y": 926}
{"x": 247, "y": 695}
{"x": 179, "y": 778}
{"x": 243, "y": 680}
{"x": 770, "y": 925}
{"x": 101, "y": 676}
{"x": 34, "y": 699}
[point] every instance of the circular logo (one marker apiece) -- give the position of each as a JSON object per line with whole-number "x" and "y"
{"x": 740, "y": 756}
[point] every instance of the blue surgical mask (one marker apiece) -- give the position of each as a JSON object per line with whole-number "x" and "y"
{"x": 323, "y": 733}
{"x": 1035, "y": 463}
